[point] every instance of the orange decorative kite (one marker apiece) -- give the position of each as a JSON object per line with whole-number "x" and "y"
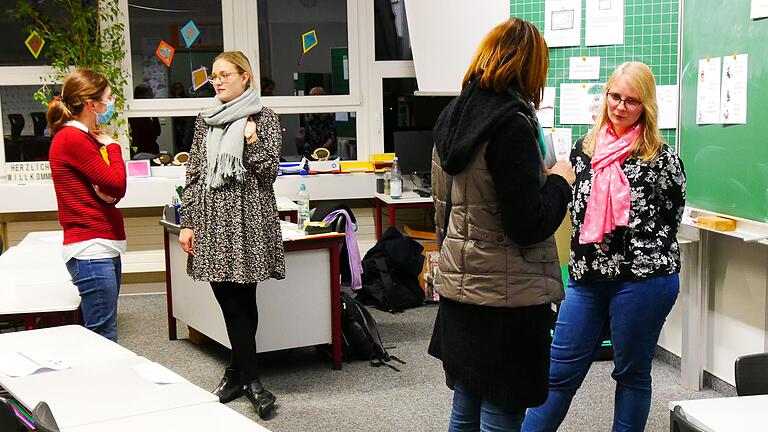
{"x": 165, "y": 52}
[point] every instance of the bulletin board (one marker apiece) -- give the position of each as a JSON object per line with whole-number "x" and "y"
{"x": 650, "y": 36}
{"x": 726, "y": 165}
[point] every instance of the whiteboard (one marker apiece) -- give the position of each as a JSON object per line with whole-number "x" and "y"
{"x": 445, "y": 35}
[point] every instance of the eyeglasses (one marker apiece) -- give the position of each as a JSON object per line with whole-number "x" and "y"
{"x": 629, "y": 103}
{"x": 222, "y": 76}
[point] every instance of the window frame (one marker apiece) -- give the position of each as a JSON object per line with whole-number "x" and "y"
{"x": 365, "y": 74}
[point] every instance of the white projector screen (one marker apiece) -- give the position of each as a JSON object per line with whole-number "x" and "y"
{"x": 445, "y": 35}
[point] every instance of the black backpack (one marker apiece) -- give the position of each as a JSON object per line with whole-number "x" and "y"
{"x": 391, "y": 272}
{"x": 360, "y": 335}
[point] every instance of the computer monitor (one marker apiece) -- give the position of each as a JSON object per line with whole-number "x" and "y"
{"x": 414, "y": 151}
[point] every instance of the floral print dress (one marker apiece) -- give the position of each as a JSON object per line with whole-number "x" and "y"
{"x": 236, "y": 227}
{"x": 648, "y": 246}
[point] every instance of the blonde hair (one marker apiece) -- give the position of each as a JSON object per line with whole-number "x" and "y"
{"x": 80, "y": 87}
{"x": 240, "y": 61}
{"x": 513, "y": 52}
{"x": 640, "y": 78}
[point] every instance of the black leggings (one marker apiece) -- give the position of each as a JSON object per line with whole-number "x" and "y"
{"x": 241, "y": 316}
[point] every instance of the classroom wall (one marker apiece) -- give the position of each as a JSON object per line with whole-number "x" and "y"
{"x": 737, "y": 306}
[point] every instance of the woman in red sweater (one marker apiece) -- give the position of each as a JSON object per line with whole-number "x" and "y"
{"x": 89, "y": 178}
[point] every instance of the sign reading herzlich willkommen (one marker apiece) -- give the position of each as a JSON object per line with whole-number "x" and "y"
{"x": 28, "y": 171}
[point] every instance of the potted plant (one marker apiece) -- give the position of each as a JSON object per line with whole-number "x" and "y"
{"x": 90, "y": 36}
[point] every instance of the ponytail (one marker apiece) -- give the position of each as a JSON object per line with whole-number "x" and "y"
{"x": 81, "y": 86}
{"x": 58, "y": 115}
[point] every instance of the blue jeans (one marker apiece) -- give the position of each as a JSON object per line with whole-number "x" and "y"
{"x": 635, "y": 312}
{"x": 472, "y": 413}
{"x": 98, "y": 281}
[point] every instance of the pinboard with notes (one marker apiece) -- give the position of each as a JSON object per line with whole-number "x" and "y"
{"x": 650, "y": 36}
{"x": 726, "y": 164}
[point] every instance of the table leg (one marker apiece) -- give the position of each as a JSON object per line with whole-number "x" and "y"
{"x": 378, "y": 219}
{"x": 335, "y": 306}
{"x": 391, "y": 209}
{"x": 172, "y": 335}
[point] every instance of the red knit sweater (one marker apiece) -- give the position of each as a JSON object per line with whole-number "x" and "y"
{"x": 77, "y": 165}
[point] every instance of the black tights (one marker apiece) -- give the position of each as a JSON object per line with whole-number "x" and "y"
{"x": 241, "y": 316}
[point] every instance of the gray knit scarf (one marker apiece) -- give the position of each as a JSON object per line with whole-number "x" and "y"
{"x": 225, "y": 139}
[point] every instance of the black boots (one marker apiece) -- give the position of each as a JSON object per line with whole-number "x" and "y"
{"x": 262, "y": 399}
{"x": 230, "y": 387}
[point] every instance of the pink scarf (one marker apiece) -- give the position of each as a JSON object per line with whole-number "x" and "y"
{"x": 609, "y": 200}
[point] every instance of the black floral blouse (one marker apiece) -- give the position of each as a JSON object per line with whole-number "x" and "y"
{"x": 648, "y": 246}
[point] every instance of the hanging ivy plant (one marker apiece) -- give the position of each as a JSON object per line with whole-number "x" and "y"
{"x": 90, "y": 35}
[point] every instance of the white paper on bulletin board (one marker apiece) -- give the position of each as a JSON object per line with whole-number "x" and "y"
{"x": 604, "y": 23}
{"x": 708, "y": 91}
{"x": 575, "y": 102}
{"x": 562, "y": 138}
{"x": 546, "y": 112}
{"x": 584, "y": 68}
{"x": 562, "y": 23}
{"x": 759, "y": 9}
{"x": 666, "y": 99}
{"x": 733, "y": 90}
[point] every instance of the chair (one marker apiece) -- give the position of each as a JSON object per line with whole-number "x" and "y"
{"x": 752, "y": 374}
{"x": 43, "y": 418}
{"x": 39, "y": 121}
{"x": 17, "y": 124}
{"x": 679, "y": 423}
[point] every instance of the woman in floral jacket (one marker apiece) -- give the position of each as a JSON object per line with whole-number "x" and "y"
{"x": 627, "y": 204}
{"x": 230, "y": 225}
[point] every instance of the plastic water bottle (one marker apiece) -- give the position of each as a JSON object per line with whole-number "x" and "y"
{"x": 303, "y": 202}
{"x": 396, "y": 181}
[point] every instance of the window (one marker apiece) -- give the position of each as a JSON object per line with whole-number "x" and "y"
{"x": 13, "y": 34}
{"x": 25, "y": 129}
{"x": 286, "y": 70}
{"x": 303, "y": 133}
{"x": 393, "y": 41}
{"x": 402, "y": 111}
{"x": 151, "y": 135}
{"x": 153, "y": 21}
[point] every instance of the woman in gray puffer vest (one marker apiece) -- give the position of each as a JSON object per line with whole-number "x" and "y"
{"x": 497, "y": 208}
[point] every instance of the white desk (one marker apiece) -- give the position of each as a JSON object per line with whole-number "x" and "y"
{"x": 34, "y": 279}
{"x": 43, "y": 238}
{"x": 204, "y": 418}
{"x": 301, "y": 310}
{"x": 409, "y": 200}
{"x": 73, "y": 344}
{"x": 735, "y": 414}
{"x": 102, "y": 392}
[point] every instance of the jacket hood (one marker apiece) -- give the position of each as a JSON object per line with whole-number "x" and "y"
{"x": 472, "y": 118}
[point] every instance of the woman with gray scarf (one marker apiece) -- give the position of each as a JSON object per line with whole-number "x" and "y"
{"x": 230, "y": 225}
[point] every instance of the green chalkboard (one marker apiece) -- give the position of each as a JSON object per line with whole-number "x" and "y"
{"x": 650, "y": 36}
{"x": 726, "y": 165}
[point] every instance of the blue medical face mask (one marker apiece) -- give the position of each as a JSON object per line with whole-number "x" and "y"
{"x": 104, "y": 118}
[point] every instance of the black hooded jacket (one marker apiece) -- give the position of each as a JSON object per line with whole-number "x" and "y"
{"x": 530, "y": 212}
{"x": 497, "y": 352}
